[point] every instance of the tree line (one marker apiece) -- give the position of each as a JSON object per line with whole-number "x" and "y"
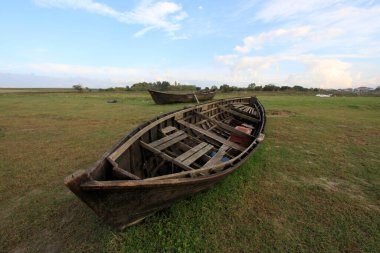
{"x": 167, "y": 86}
{"x": 268, "y": 87}
{"x": 162, "y": 86}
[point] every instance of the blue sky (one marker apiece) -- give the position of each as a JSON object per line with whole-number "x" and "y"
{"x": 99, "y": 43}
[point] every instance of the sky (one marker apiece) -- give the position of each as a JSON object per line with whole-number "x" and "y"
{"x": 108, "y": 43}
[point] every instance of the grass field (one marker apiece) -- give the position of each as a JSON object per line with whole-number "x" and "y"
{"x": 313, "y": 186}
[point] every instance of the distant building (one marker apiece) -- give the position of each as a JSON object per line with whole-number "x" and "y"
{"x": 324, "y": 95}
{"x": 363, "y": 89}
{"x": 346, "y": 90}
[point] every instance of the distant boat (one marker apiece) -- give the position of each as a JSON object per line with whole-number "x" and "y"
{"x": 324, "y": 95}
{"x": 161, "y": 97}
{"x": 170, "y": 157}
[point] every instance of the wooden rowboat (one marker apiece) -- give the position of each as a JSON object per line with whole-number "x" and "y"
{"x": 170, "y": 157}
{"x": 160, "y": 97}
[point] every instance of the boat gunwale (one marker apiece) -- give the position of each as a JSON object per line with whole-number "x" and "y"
{"x": 121, "y": 184}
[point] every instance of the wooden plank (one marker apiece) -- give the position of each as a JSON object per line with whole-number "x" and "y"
{"x": 165, "y": 139}
{"x": 216, "y": 114}
{"x": 218, "y": 156}
{"x": 122, "y": 173}
{"x": 164, "y": 156}
{"x": 227, "y": 127}
{"x": 238, "y": 114}
{"x": 204, "y": 169}
{"x": 184, "y": 147}
{"x": 209, "y": 110}
{"x": 120, "y": 150}
{"x": 211, "y": 135}
{"x": 190, "y": 152}
{"x": 136, "y": 159}
{"x": 171, "y": 142}
{"x": 168, "y": 129}
{"x": 201, "y": 122}
{"x": 197, "y": 154}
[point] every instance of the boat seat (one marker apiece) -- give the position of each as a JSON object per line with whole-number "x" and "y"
{"x": 185, "y": 159}
{"x": 168, "y": 140}
{"x": 211, "y": 135}
{"x": 217, "y": 157}
{"x": 194, "y": 153}
{"x": 168, "y": 129}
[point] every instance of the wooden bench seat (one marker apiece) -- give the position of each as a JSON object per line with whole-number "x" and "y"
{"x": 238, "y": 114}
{"x": 168, "y": 129}
{"x": 211, "y": 135}
{"x": 168, "y": 140}
{"x": 194, "y": 153}
{"x": 217, "y": 157}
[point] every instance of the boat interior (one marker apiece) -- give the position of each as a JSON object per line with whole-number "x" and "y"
{"x": 191, "y": 142}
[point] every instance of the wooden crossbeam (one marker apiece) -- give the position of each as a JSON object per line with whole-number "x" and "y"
{"x": 165, "y": 139}
{"x": 123, "y": 147}
{"x": 194, "y": 153}
{"x": 119, "y": 172}
{"x": 198, "y": 154}
{"x": 238, "y": 114}
{"x": 217, "y": 157}
{"x": 201, "y": 122}
{"x": 164, "y": 156}
{"x": 190, "y": 152}
{"x": 226, "y": 127}
{"x": 211, "y": 135}
{"x": 168, "y": 129}
{"x": 171, "y": 142}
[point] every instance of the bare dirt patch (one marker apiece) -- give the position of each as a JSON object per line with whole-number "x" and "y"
{"x": 279, "y": 113}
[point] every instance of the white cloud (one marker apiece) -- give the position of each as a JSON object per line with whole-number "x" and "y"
{"x": 226, "y": 59}
{"x": 255, "y": 63}
{"x": 319, "y": 71}
{"x": 256, "y": 42}
{"x": 281, "y": 10}
{"x": 163, "y": 15}
{"x": 324, "y": 39}
{"x": 328, "y": 73}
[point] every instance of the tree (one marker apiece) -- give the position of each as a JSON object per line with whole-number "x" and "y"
{"x": 78, "y": 87}
{"x": 270, "y": 87}
{"x": 251, "y": 86}
{"x": 225, "y": 88}
{"x": 299, "y": 88}
{"x": 285, "y": 88}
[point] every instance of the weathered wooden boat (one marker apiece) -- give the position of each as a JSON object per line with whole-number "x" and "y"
{"x": 161, "y": 97}
{"x": 170, "y": 157}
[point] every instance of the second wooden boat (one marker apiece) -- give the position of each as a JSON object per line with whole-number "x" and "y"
{"x": 161, "y": 97}
{"x": 170, "y": 157}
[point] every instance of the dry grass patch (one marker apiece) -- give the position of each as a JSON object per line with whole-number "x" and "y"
{"x": 314, "y": 184}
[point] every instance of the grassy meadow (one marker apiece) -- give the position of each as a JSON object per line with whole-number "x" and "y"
{"x": 313, "y": 186}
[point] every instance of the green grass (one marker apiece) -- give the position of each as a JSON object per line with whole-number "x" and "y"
{"x": 313, "y": 186}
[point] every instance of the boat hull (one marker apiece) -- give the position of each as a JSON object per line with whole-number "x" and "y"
{"x": 169, "y": 98}
{"x": 121, "y": 203}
